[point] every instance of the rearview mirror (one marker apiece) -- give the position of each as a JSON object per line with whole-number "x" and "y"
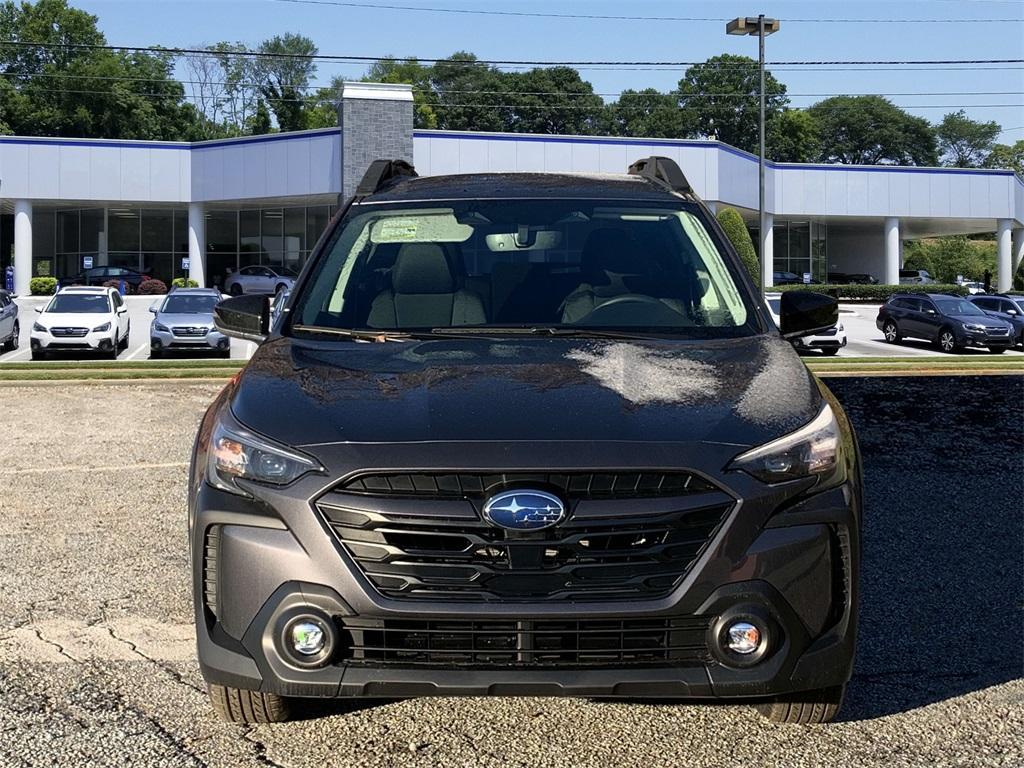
{"x": 802, "y": 313}
{"x": 244, "y": 317}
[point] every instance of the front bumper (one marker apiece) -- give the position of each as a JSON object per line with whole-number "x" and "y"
{"x": 982, "y": 339}
{"x": 795, "y": 565}
{"x": 98, "y": 340}
{"x": 163, "y": 340}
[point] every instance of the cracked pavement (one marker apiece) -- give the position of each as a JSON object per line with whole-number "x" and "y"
{"x": 97, "y": 651}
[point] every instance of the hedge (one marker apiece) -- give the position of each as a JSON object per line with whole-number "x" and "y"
{"x": 873, "y": 292}
{"x": 184, "y": 282}
{"x": 42, "y": 286}
{"x": 734, "y": 228}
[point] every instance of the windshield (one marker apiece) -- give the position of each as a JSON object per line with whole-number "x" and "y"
{"x": 189, "y": 305}
{"x": 957, "y": 307}
{"x": 525, "y": 264}
{"x": 79, "y": 303}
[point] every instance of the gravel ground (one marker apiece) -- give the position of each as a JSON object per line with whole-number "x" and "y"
{"x": 96, "y": 656}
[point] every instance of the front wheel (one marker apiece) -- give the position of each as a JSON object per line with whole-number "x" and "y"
{"x": 38, "y": 354}
{"x": 12, "y": 343}
{"x": 830, "y": 351}
{"x": 806, "y": 707}
{"x": 235, "y": 290}
{"x": 891, "y": 332}
{"x": 238, "y": 705}
{"x": 997, "y": 350}
{"x": 947, "y": 341}
{"x": 281, "y": 288}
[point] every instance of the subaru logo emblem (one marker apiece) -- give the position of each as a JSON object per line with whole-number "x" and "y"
{"x": 524, "y": 510}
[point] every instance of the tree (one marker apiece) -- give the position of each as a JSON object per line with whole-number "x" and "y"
{"x": 553, "y": 100}
{"x": 649, "y": 113}
{"x": 1007, "y": 156}
{"x": 284, "y": 75}
{"x": 793, "y": 137}
{"x": 965, "y": 143}
{"x": 872, "y": 130}
{"x": 417, "y": 75}
{"x": 470, "y": 96}
{"x": 259, "y": 122}
{"x": 946, "y": 258}
{"x": 720, "y": 100}
{"x": 736, "y": 231}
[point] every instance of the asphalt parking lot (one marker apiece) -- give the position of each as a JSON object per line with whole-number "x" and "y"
{"x": 864, "y": 339}
{"x": 96, "y": 642}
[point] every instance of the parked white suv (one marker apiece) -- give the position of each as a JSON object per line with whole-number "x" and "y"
{"x": 83, "y": 318}
{"x": 828, "y": 342}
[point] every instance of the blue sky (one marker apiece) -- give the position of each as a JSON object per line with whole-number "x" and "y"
{"x": 361, "y": 31}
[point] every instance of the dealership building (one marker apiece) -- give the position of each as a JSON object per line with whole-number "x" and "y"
{"x": 201, "y": 210}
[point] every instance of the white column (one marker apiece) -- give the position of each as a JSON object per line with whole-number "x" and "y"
{"x": 712, "y": 206}
{"x": 768, "y": 251}
{"x": 22, "y": 246}
{"x": 1004, "y": 269}
{"x": 892, "y": 251}
{"x": 1016, "y": 250}
{"x": 197, "y": 243}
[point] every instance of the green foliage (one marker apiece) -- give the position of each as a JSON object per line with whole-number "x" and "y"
{"x": 411, "y": 72}
{"x": 872, "y": 130}
{"x": 948, "y": 257}
{"x": 285, "y": 76}
{"x": 184, "y": 282}
{"x": 720, "y": 99}
{"x": 873, "y": 292}
{"x": 965, "y": 143}
{"x": 42, "y": 286}
{"x": 152, "y": 287}
{"x": 794, "y": 136}
{"x": 1007, "y": 156}
{"x": 259, "y": 123}
{"x": 554, "y": 100}
{"x": 470, "y": 96}
{"x": 736, "y": 231}
{"x": 647, "y": 113}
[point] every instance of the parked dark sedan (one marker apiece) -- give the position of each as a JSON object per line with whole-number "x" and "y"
{"x": 101, "y": 275}
{"x": 951, "y": 322}
{"x": 1009, "y": 309}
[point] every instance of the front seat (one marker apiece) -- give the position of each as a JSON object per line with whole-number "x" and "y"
{"x": 608, "y": 258}
{"x": 424, "y": 293}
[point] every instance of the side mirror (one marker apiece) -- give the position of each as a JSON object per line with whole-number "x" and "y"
{"x": 39, "y": 310}
{"x": 152, "y": 308}
{"x": 244, "y": 317}
{"x": 1012, "y": 312}
{"x": 929, "y": 311}
{"x": 802, "y": 313}
{"x": 122, "y": 309}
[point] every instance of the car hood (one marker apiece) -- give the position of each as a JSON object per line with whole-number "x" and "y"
{"x": 191, "y": 320}
{"x": 739, "y": 391}
{"x": 987, "y": 320}
{"x": 75, "y": 319}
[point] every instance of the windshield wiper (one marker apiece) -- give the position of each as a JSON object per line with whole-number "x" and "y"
{"x": 378, "y": 336}
{"x": 547, "y": 330}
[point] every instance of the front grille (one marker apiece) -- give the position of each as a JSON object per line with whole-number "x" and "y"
{"x": 189, "y": 332}
{"x": 69, "y": 332}
{"x": 574, "y": 485}
{"x": 511, "y": 643}
{"x": 443, "y": 549}
{"x": 998, "y": 331}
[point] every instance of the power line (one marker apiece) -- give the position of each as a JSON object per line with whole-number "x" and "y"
{"x": 248, "y": 53}
{"x": 609, "y": 17}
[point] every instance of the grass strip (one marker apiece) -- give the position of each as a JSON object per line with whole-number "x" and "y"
{"x": 85, "y": 375}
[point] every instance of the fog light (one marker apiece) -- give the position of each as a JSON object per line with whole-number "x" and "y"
{"x": 307, "y": 638}
{"x": 743, "y": 638}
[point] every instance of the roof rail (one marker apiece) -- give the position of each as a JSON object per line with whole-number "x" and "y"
{"x": 382, "y": 173}
{"x": 663, "y": 171}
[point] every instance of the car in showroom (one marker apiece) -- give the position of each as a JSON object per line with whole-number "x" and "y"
{"x": 102, "y": 275}
{"x": 828, "y": 341}
{"x": 81, "y": 319}
{"x": 525, "y": 434}
{"x": 267, "y": 278}
{"x": 791, "y": 278}
{"x": 952, "y": 323}
{"x": 10, "y": 327}
{"x": 855, "y": 278}
{"x": 1009, "y": 309}
{"x": 916, "y": 277}
{"x": 183, "y": 322}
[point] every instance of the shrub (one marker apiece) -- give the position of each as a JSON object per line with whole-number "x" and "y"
{"x": 874, "y": 292}
{"x": 116, "y": 285}
{"x": 736, "y": 231}
{"x": 184, "y": 282}
{"x": 42, "y": 286}
{"x": 152, "y": 287}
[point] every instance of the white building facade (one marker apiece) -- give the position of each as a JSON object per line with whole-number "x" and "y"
{"x": 202, "y": 209}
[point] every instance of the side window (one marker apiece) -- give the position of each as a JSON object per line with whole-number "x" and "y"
{"x": 1006, "y": 306}
{"x": 926, "y": 304}
{"x": 247, "y": 271}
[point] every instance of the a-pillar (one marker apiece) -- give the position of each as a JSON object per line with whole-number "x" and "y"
{"x": 892, "y": 251}
{"x": 1016, "y": 250}
{"x": 1004, "y": 263}
{"x": 197, "y": 243}
{"x": 22, "y": 246}
{"x": 767, "y": 251}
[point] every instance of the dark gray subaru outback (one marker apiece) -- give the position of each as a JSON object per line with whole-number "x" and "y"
{"x": 525, "y": 434}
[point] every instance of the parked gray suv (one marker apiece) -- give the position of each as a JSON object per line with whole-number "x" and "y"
{"x": 183, "y": 320}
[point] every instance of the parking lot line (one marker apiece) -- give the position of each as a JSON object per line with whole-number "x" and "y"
{"x": 140, "y": 348}
{"x": 88, "y": 468}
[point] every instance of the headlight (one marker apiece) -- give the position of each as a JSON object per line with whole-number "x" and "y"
{"x": 161, "y": 327}
{"x": 235, "y": 452}
{"x": 974, "y": 327}
{"x": 38, "y": 327}
{"x": 811, "y": 450}
{"x": 101, "y": 328}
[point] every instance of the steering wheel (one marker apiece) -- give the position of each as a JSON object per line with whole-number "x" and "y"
{"x": 655, "y": 311}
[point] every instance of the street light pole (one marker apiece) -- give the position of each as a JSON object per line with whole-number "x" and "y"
{"x": 762, "y": 27}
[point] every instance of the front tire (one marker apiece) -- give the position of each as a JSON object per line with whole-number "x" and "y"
{"x": 947, "y": 341}
{"x": 997, "y": 350}
{"x": 235, "y": 290}
{"x": 830, "y": 351}
{"x": 238, "y": 705}
{"x": 281, "y": 288}
{"x": 12, "y": 343}
{"x": 38, "y": 354}
{"x": 891, "y": 331}
{"x": 806, "y": 707}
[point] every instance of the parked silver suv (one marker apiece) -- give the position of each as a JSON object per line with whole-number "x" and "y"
{"x": 184, "y": 320}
